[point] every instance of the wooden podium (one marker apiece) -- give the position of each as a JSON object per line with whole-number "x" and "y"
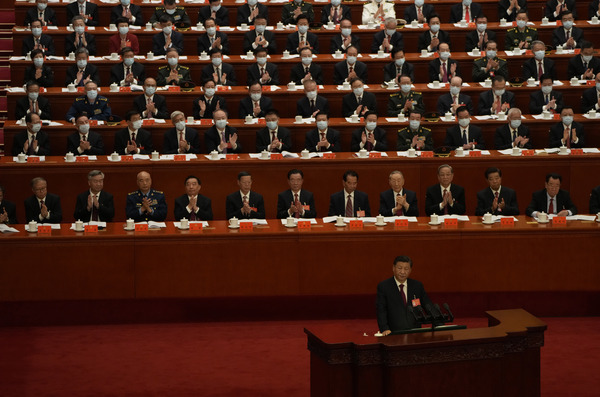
{"x": 502, "y": 360}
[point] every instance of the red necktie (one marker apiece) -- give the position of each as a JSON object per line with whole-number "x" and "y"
{"x": 467, "y": 15}
{"x": 444, "y": 73}
{"x": 192, "y": 215}
{"x": 499, "y": 106}
{"x": 323, "y": 138}
{"x": 402, "y": 293}
{"x": 335, "y": 15}
{"x": 551, "y": 206}
{"x": 443, "y": 197}
{"x": 369, "y": 145}
{"x": 297, "y": 205}
{"x": 496, "y": 196}
{"x": 540, "y": 70}
{"x": 568, "y": 142}
{"x": 349, "y": 207}
{"x": 94, "y": 210}
{"x": 400, "y": 212}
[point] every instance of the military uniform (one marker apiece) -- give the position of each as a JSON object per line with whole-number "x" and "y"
{"x": 162, "y": 78}
{"x": 287, "y": 13}
{"x": 397, "y": 101}
{"x": 514, "y": 37}
{"x": 480, "y": 64}
{"x": 178, "y": 16}
{"x": 99, "y": 110}
{"x": 158, "y": 205}
{"x": 405, "y": 137}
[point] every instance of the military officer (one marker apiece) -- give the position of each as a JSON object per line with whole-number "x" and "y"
{"x": 415, "y": 135}
{"x": 146, "y": 204}
{"x": 489, "y": 65}
{"x": 292, "y": 10}
{"x": 175, "y": 12}
{"x": 95, "y": 106}
{"x": 173, "y": 73}
{"x": 406, "y": 100}
{"x": 522, "y": 35}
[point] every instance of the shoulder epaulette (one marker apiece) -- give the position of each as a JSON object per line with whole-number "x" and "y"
{"x": 425, "y": 128}
{"x": 501, "y": 59}
{"x": 532, "y": 29}
{"x": 161, "y": 8}
{"x": 417, "y": 92}
{"x": 163, "y": 67}
{"x": 396, "y": 94}
{"x": 102, "y": 98}
{"x": 129, "y": 194}
{"x": 512, "y": 30}
{"x": 184, "y": 67}
{"x": 158, "y": 191}
{"x": 180, "y": 7}
{"x": 80, "y": 98}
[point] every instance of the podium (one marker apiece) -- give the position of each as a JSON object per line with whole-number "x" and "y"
{"x": 501, "y": 360}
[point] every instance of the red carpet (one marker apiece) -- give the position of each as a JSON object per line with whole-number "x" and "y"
{"x": 228, "y": 359}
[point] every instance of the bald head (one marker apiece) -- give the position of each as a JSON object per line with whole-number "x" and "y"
{"x": 144, "y": 181}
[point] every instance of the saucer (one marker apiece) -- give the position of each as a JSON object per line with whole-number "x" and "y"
{"x": 563, "y": 154}
{"x": 30, "y": 231}
{"x": 183, "y": 228}
{"x": 292, "y": 226}
{"x": 129, "y": 229}
{"x": 546, "y": 221}
{"x": 338, "y": 225}
{"x": 434, "y": 224}
{"x": 69, "y": 161}
{"x": 488, "y": 223}
{"x": 460, "y": 155}
{"x": 151, "y": 159}
{"x": 381, "y": 224}
{"x": 233, "y": 227}
{"x": 515, "y": 154}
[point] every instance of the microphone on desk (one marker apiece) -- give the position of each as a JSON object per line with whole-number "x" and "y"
{"x": 414, "y": 314}
{"x": 425, "y": 317}
{"x": 450, "y": 314}
{"x": 435, "y": 315}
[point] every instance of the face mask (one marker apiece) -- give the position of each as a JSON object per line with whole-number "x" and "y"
{"x": 303, "y": 29}
{"x": 419, "y": 3}
{"x": 260, "y": 28}
{"x": 481, "y": 27}
{"x": 33, "y": 95}
{"x": 311, "y": 95}
{"x": 38, "y": 62}
{"x": 539, "y": 55}
{"x": 515, "y": 123}
{"x": 346, "y": 32}
{"x": 358, "y": 91}
{"x": 255, "y": 96}
{"x": 306, "y": 61}
{"x": 36, "y": 127}
{"x": 390, "y": 32}
{"x": 378, "y": 1}
{"x": 336, "y": 3}
{"x": 125, "y": 2}
{"x": 216, "y": 61}
{"x": 84, "y": 128}
{"x": 123, "y": 30}
{"x": 150, "y": 90}
{"x": 128, "y": 61}
{"x": 499, "y": 92}
{"x": 81, "y": 1}
{"x": 491, "y": 53}
{"x": 351, "y": 59}
{"x": 215, "y": 8}
{"x": 399, "y": 62}
{"x": 587, "y": 58}
{"x": 42, "y": 6}
{"x": 454, "y": 90}
{"x": 167, "y": 29}
{"x": 521, "y": 23}
{"x": 414, "y": 124}
{"x": 81, "y": 63}
{"x": 211, "y": 31}
{"x": 546, "y": 89}
{"x": 261, "y": 61}
{"x": 137, "y": 124}
{"x": 466, "y": 3}
{"x": 92, "y": 94}
{"x": 79, "y": 29}
{"x": 435, "y": 28}
{"x": 568, "y": 24}
{"x": 567, "y": 120}
{"x": 444, "y": 55}
{"x": 172, "y": 61}
{"x": 322, "y": 124}
{"x": 405, "y": 88}
{"x": 371, "y": 125}
{"x": 271, "y": 125}
{"x": 209, "y": 92}
{"x": 180, "y": 125}
{"x": 170, "y": 11}
{"x": 464, "y": 122}
{"x": 221, "y": 124}
{"x": 598, "y": 86}
{"x": 36, "y": 31}
{"x": 252, "y": 2}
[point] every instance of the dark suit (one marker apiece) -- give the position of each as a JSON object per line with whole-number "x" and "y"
{"x": 33, "y": 14}
{"x": 91, "y": 10}
{"x": 208, "y": 70}
{"x": 593, "y": 9}
{"x": 576, "y": 68}
{"x": 434, "y": 69}
{"x": 559, "y": 37}
{"x": 557, "y": 132}
{"x": 95, "y": 140}
{"x": 160, "y": 103}
{"x": 11, "y": 211}
{"x": 378, "y": 133}
{"x": 285, "y": 199}
{"x": 250, "y": 36}
{"x": 293, "y": 40}
{"x": 212, "y": 139}
{"x": 234, "y": 204}
{"x": 106, "y": 207}
{"x": 387, "y": 203}
{"x": 344, "y": 12}
{"x": 158, "y": 43}
{"x": 312, "y": 139}
{"x": 539, "y": 202}
{"x": 551, "y": 8}
{"x": 304, "y": 109}
{"x": 243, "y": 14}
{"x": 337, "y": 42}
{"x": 594, "y": 201}
{"x": 90, "y": 70}
{"x": 456, "y": 12}
{"x": 203, "y": 43}
{"x": 43, "y": 104}
{"x": 208, "y": 113}
{"x": 425, "y": 39}
{"x": 263, "y": 139}
{"x": 247, "y": 106}
{"x": 349, "y": 103}
{"x": 70, "y": 46}
{"x": 298, "y": 72}
{"x": 454, "y": 136}
{"x": 589, "y": 100}
{"x": 503, "y": 9}
{"x": 171, "y": 141}
{"x": 340, "y": 71}
{"x": 390, "y": 71}
{"x": 221, "y": 16}
{"x": 433, "y": 199}
{"x": 253, "y": 73}
{"x": 136, "y": 11}
{"x": 117, "y": 73}
{"x": 157, "y": 203}
{"x": 503, "y": 137}
{"x": 143, "y": 140}
{"x": 337, "y": 203}
{"x": 485, "y": 198}
{"x": 397, "y": 41}
{"x": 472, "y": 39}
{"x": 486, "y": 100}
{"x": 203, "y": 203}
{"x": 537, "y": 101}
{"x": 444, "y": 103}
{"x": 392, "y": 314}
{"x": 32, "y": 209}
{"x": 530, "y": 68}
{"x": 45, "y": 80}
{"x": 45, "y": 40}
{"x": 410, "y": 12}
{"x": 43, "y": 143}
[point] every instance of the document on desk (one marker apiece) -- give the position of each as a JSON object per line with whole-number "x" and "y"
{"x": 255, "y": 221}
{"x": 99, "y": 224}
{"x": 7, "y": 229}
{"x": 463, "y": 218}
{"x": 496, "y": 218}
{"x": 313, "y": 221}
{"x": 581, "y": 218}
{"x": 393, "y": 218}
{"x": 152, "y": 224}
{"x": 178, "y": 224}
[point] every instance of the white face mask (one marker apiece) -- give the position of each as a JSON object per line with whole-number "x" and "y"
{"x": 79, "y": 29}
{"x": 399, "y": 62}
{"x": 322, "y": 124}
{"x": 490, "y": 53}
{"x": 521, "y": 23}
{"x": 303, "y": 29}
{"x": 180, "y": 125}
{"x": 84, "y": 128}
{"x": 464, "y": 122}
{"x": 311, "y": 94}
{"x": 539, "y": 55}
{"x": 345, "y": 32}
{"x": 271, "y": 125}
{"x": 358, "y": 91}
{"x": 481, "y": 27}
{"x": 42, "y": 6}
{"x": 587, "y": 58}
{"x": 444, "y": 55}
{"x": 92, "y": 94}
{"x": 221, "y": 124}
{"x": 252, "y": 2}
{"x": 170, "y": 11}
{"x": 435, "y": 28}
{"x": 128, "y": 61}
{"x": 125, "y": 2}
{"x": 123, "y": 30}
{"x": 137, "y": 124}
{"x": 546, "y": 89}
{"x": 414, "y": 124}
{"x": 567, "y": 120}
{"x": 336, "y": 3}
{"x": 215, "y": 8}
{"x": 351, "y": 59}
{"x": 568, "y": 24}
{"x": 419, "y": 3}
{"x": 306, "y": 61}
{"x": 405, "y": 88}
{"x": 454, "y": 90}
{"x": 33, "y": 96}
{"x": 216, "y": 61}
{"x": 515, "y": 123}
{"x": 81, "y": 63}
{"x": 172, "y": 61}
{"x": 37, "y": 32}
{"x": 255, "y": 96}
{"x": 260, "y": 28}
{"x": 167, "y": 29}
{"x": 38, "y": 62}
{"x": 371, "y": 125}
{"x": 466, "y": 3}
{"x": 209, "y": 92}
{"x": 150, "y": 90}
{"x": 211, "y": 31}
{"x": 35, "y": 128}
{"x": 499, "y": 92}
{"x": 261, "y": 61}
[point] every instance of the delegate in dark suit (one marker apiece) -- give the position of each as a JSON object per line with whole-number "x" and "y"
{"x": 285, "y": 199}
{"x": 343, "y": 13}
{"x": 411, "y": 14}
{"x": 390, "y": 71}
{"x": 33, "y": 14}
{"x": 594, "y": 201}
{"x": 203, "y": 203}
{"x": 171, "y": 141}
{"x": 233, "y": 206}
{"x": 485, "y": 198}
{"x": 444, "y": 103}
{"x": 480, "y": 73}
{"x": 503, "y": 6}
{"x": 221, "y": 16}
{"x": 337, "y": 203}
{"x": 456, "y": 12}
{"x": 397, "y": 41}
{"x": 210, "y": 108}
{"x": 158, "y": 43}
{"x": 243, "y": 14}
{"x": 472, "y": 39}
{"x": 551, "y": 9}
{"x": 99, "y": 110}
{"x": 298, "y": 72}
{"x": 387, "y": 203}
{"x": 263, "y": 139}
{"x": 434, "y": 69}
{"x": 43, "y": 143}
{"x": 212, "y": 139}
{"x": 539, "y": 202}
{"x": 340, "y": 71}
{"x": 247, "y": 106}
{"x": 45, "y": 80}
{"x": 454, "y": 136}
{"x": 392, "y": 314}
{"x": 433, "y": 199}
{"x": 43, "y": 104}
{"x": 576, "y": 67}
{"x": 46, "y": 41}
{"x": 117, "y": 73}
{"x": 160, "y": 103}
{"x": 253, "y": 73}
{"x": 486, "y": 100}
{"x": 425, "y": 39}
{"x": 143, "y": 140}
{"x": 250, "y": 36}
{"x": 106, "y": 207}
{"x": 336, "y": 43}
{"x": 304, "y": 109}
{"x": 293, "y": 40}
{"x": 208, "y": 70}
{"x": 378, "y": 133}
{"x": 90, "y": 39}
{"x": 557, "y": 132}
{"x": 95, "y": 140}
{"x": 90, "y": 71}
{"x": 332, "y": 136}
{"x": 503, "y": 138}
{"x": 11, "y": 211}
{"x": 157, "y": 203}
{"x": 32, "y": 209}
{"x": 530, "y": 68}
{"x": 91, "y": 11}
{"x": 349, "y": 103}
{"x": 203, "y": 43}
{"x": 136, "y": 11}
{"x": 559, "y": 37}
{"x": 589, "y": 100}
{"x": 537, "y": 101}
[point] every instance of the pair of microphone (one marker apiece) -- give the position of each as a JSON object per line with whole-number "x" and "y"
{"x": 432, "y": 314}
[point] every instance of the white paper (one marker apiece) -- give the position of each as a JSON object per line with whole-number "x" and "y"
{"x": 152, "y": 224}
{"x": 255, "y": 221}
{"x": 442, "y": 85}
{"x": 463, "y": 218}
{"x": 512, "y": 54}
{"x": 395, "y": 120}
{"x": 221, "y": 156}
{"x": 7, "y": 229}
{"x": 383, "y": 154}
{"x": 42, "y": 158}
{"x": 100, "y": 224}
{"x": 141, "y": 157}
{"x": 591, "y": 150}
{"x": 581, "y": 218}
{"x": 392, "y": 219}
{"x": 313, "y": 221}
{"x": 329, "y": 219}
{"x": 405, "y": 153}
{"x": 496, "y": 218}
{"x": 290, "y": 155}
{"x": 188, "y": 156}
{"x": 178, "y": 224}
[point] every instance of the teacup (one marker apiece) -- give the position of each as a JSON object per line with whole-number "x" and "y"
{"x": 32, "y": 226}
{"x": 264, "y": 155}
{"x": 448, "y": 116}
{"x": 305, "y": 154}
{"x": 248, "y": 119}
{"x": 291, "y": 86}
{"x": 298, "y": 119}
{"x": 150, "y": 55}
{"x": 354, "y": 118}
{"x": 459, "y": 151}
{"x": 362, "y": 153}
{"x": 592, "y": 113}
{"x": 130, "y": 223}
{"x": 234, "y": 222}
{"x": 502, "y": 116}
{"x": 339, "y": 221}
{"x": 546, "y": 114}
{"x": 190, "y": 119}
{"x": 21, "y": 157}
{"x": 414, "y": 23}
{"x": 114, "y": 56}
{"x": 244, "y": 26}
{"x": 280, "y": 25}
{"x": 563, "y": 150}
{"x": 289, "y": 221}
{"x": 516, "y": 151}
{"x": 412, "y": 152}
{"x": 114, "y": 87}
{"x": 487, "y": 217}
{"x": 542, "y": 216}
{"x": 79, "y": 226}
{"x": 155, "y": 155}
{"x": 434, "y": 219}
{"x": 424, "y": 52}
{"x": 380, "y": 219}
{"x": 436, "y": 84}
{"x": 114, "y": 156}
{"x": 70, "y": 157}
{"x": 71, "y": 87}
{"x": 184, "y": 223}
{"x": 214, "y": 155}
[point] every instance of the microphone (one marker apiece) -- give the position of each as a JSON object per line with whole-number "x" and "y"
{"x": 414, "y": 313}
{"x": 434, "y": 315}
{"x": 443, "y": 316}
{"x": 424, "y": 315}
{"x": 447, "y": 307}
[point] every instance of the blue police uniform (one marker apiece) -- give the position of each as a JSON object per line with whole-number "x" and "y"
{"x": 99, "y": 110}
{"x": 158, "y": 205}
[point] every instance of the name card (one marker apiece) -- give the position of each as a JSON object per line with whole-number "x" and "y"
{"x": 262, "y": 122}
{"x": 44, "y": 229}
{"x": 328, "y": 155}
{"x": 304, "y": 225}
{"x": 31, "y": 159}
{"x": 146, "y": 122}
{"x": 590, "y": 82}
{"x": 90, "y": 229}
{"x": 206, "y": 122}
{"x": 174, "y": 88}
{"x": 360, "y": 213}
{"x": 374, "y": 155}
{"x": 141, "y": 227}
{"x": 356, "y": 224}
{"x": 246, "y": 226}
{"x": 426, "y": 153}
{"x": 80, "y": 89}
{"x": 451, "y": 222}
{"x": 475, "y": 153}
{"x": 401, "y": 223}
{"x": 577, "y": 152}
{"x": 222, "y": 88}
{"x": 276, "y": 156}
{"x": 559, "y": 221}
{"x": 528, "y": 152}
{"x": 126, "y": 158}
{"x": 195, "y": 226}
{"x": 179, "y": 157}
{"x": 231, "y": 156}
{"x": 82, "y": 159}
{"x": 93, "y": 123}
{"x": 507, "y": 221}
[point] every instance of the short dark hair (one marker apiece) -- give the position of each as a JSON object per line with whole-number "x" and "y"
{"x": 403, "y": 258}
{"x": 209, "y": 19}
{"x": 567, "y": 107}
{"x": 301, "y": 16}
{"x": 522, "y": 11}
{"x": 37, "y": 20}
{"x": 553, "y": 175}
{"x": 164, "y": 18}
{"x": 480, "y": 16}
{"x": 586, "y": 44}
{"x": 254, "y": 82}
{"x": 565, "y": 12}
{"x": 295, "y": 171}
{"x": 492, "y": 170}
{"x": 322, "y": 114}
{"x": 169, "y": 2}
{"x": 131, "y": 113}
{"x": 355, "y": 79}
{"x": 350, "y": 173}
{"x": 242, "y": 174}
{"x": 272, "y": 111}
{"x": 260, "y": 49}
{"x": 192, "y": 177}
{"x": 126, "y": 49}
{"x": 546, "y": 76}
{"x": 462, "y": 108}
{"x": 28, "y": 116}
{"x": 370, "y": 112}
{"x": 30, "y": 84}
{"x": 36, "y": 52}
{"x": 216, "y": 51}
{"x": 121, "y": 20}
{"x": 498, "y": 78}
{"x": 405, "y": 75}
{"x": 395, "y": 51}
{"x": 80, "y": 115}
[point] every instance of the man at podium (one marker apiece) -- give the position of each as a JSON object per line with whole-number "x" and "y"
{"x": 395, "y": 295}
